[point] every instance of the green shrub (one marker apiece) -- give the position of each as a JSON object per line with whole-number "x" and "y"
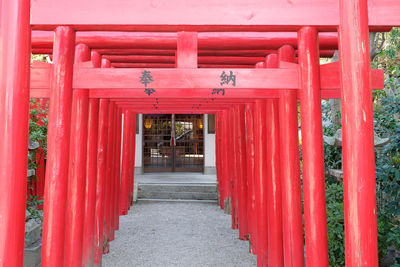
{"x": 335, "y": 220}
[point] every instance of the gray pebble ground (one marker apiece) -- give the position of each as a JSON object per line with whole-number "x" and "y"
{"x": 158, "y": 234}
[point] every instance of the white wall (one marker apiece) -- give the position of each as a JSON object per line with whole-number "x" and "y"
{"x": 209, "y": 145}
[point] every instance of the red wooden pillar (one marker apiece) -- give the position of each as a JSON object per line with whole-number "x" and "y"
{"x": 110, "y": 145}
{"x": 224, "y": 157}
{"x": 75, "y": 212}
{"x": 101, "y": 176}
{"x": 14, "y": 115}
{"x": 133, "y": 146}
{"x": 125, "y": 181}
{"x": 232, "y": 148}
{"x": 240, "y": 144}
{"x": 290, "y": 172}
{"x": 118, "y": 169}
{"x": 112, "y": 174}
{"x": 274, "y": 185}
{"x": 91, "y": 175}
{"x": 358, "y": 137}
{"x": 313, "y": 149}
{"x": 131, "y": 161}
{"x": 260, "y": 178}
{"x": 251, "y": 190}
{"x": 58, "y": 140}
{"x": 218, "y": 159}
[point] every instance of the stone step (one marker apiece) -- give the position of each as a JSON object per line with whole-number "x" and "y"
{"x": 177, "y": 200}
{"x": 177, "y": 195}
{"x": 32, "y": 232}
{"x": 32, "y": 254}
{"x": 178, "y": 187}
{"x": 182, "y": 191}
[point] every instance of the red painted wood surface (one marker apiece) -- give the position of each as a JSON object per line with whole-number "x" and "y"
{"x": 290, "y": 173}
{"x": 250, "y": 15}
{"x": 361, "y": 244}
{"x": 102, "y": 145}
{"x": 233, "y": 167}
{"x": 58, "y": 141}
{"x": 112, "y": 174}
{"x": 75, "y": 210}
{"x": 288, "y": 78}
{"x": 218, "y": 41}
{"x": 132, "y": 153}
{"x": 274, "y": 178}
{"x": 91, "y": 181}
{"x": 240, "y": 144}
{"x": 251, "y": 204}
{"x": 224, "y": 157}
{"x": 91, "y": 175}
{"x": 218, "y": 159}
{"x": 171, "y": 52}
{"x": 260, "y": 174}
{"x": 118, "y": 169}
{"x": 14, "y": 117}
{"x": 313, "y": 150}
{"x": 124, "y": 197}
{"x": 108, "y": 184}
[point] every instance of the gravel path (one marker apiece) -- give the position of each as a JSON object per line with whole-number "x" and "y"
{"x": 161, "y": 234}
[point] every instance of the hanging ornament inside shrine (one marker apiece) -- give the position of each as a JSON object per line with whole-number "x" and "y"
{"x": 148, "y": 123}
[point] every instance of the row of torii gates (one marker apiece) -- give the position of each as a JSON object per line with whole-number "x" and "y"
{"x": 241, "y": 60}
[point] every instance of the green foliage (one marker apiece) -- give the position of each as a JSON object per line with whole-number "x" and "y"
{"x": 38, "y": 133}
{"x": 38, "y": 123}
{"x": 335, "y": 220}
{"x": 387, "y": 117}
{"x": 388, "y": 174}
{"x": 32, "y": 206}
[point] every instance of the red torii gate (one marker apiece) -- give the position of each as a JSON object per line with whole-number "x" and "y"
{"x": 275, "y": 118}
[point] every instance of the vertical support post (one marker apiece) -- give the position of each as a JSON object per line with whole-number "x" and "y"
{"x": 118, "y": 169}
{"x": 125, "y": 183}
{"x": 91, "y": 175}
{"x": 107, "y": 204}
{"x": 274, "y": 184}
{"x": 313, "y": 149}
{"x": 290, "y": 172}
{"x": 218, "y": 158}
{"x": 186, "y": 53}
{"x": 225, "y": 161}
{"x": 358, "y": 137}
{"x": 260, "y": 178}
{"x": 75, "y": 212}
{"x": 101, "y": 177}
{"x": 131, "y": 163}
{"x": 133, "y": 145}
{"x": 251, "y": 200}
{"x": 15, "y": 39}
{"x": 240, "y": 144}
{"x": 58, "y": 139}
{"x": 112, "y": 174}
{"x": 232, "y": 148}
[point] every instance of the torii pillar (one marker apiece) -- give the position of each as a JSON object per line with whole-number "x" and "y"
{"x": 361, "y": 244}
{"x": 58, "y": 139}
{"x": 14, "y": 109}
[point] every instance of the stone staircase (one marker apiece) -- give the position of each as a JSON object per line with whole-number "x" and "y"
{"x": 177, "y": 191}
{"x": 33, "y": 242}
